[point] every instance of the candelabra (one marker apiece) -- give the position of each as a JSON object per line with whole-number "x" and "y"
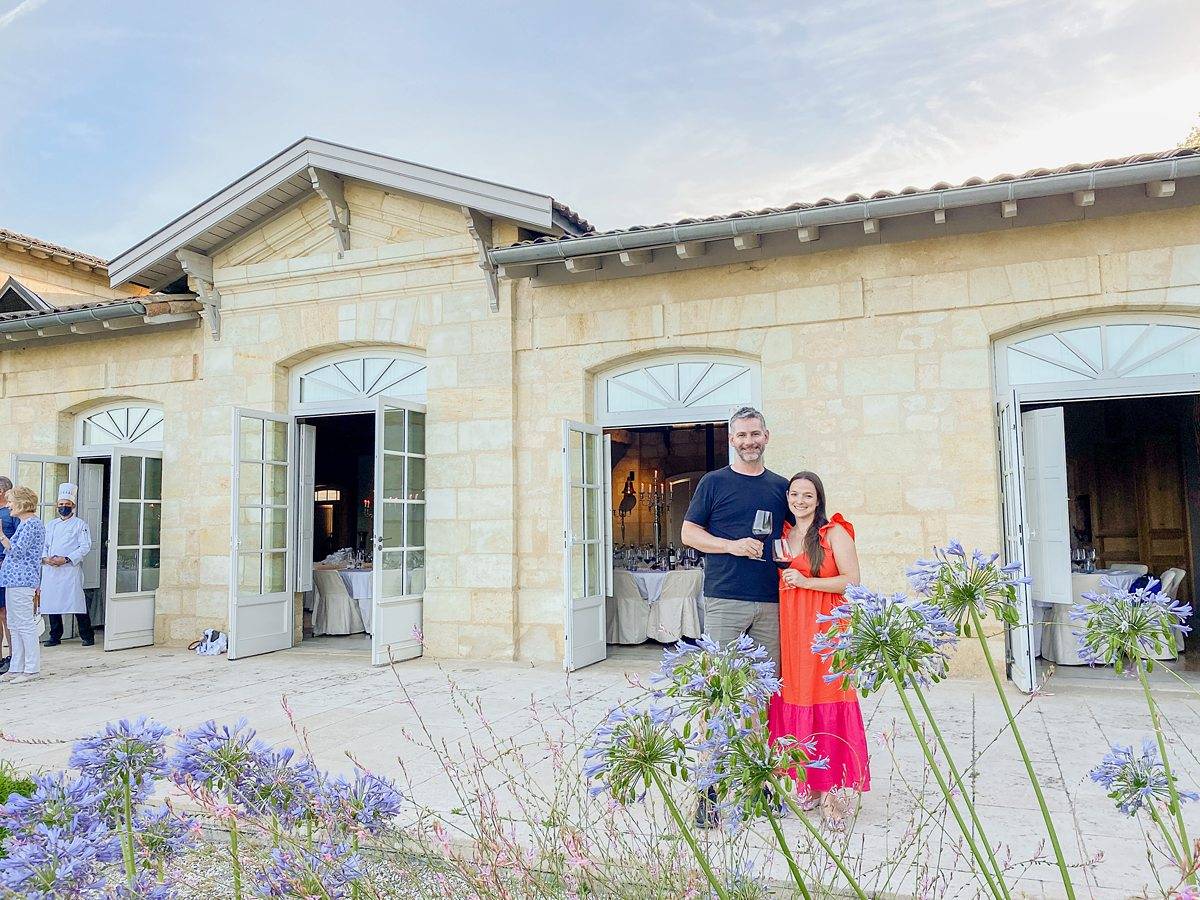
{"x": 657, "y": 497}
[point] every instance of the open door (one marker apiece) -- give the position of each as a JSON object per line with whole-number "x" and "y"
{"x": 93, "y": 491}
{"x": 306, "y": 485}
{"x": 260, "y": 595}
{"x": 43, "y": 474}
{"x": 398, "y": 576}
{"x": 1048, "y": 517}
{"x": 1022, "y": 655}
{"x": 585, "y": 542}
{"x": 134, "y": 523}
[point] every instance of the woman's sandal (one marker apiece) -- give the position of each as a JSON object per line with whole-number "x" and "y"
{"x": 809, "y": 801}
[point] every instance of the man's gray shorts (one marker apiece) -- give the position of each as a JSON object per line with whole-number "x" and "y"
{"x": 726, "y": 620}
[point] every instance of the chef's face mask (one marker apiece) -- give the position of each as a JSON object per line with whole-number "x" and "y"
{"x": 65, "y": 511}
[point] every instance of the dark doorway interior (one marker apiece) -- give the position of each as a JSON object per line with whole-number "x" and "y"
{"x": 344, "y": 477}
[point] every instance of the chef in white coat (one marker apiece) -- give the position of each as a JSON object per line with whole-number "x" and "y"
{"x": 68, "y": 541}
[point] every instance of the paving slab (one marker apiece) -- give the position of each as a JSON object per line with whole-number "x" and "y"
{"x": 432, "y": 723}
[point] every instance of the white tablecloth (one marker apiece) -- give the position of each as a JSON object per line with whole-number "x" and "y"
{"x": 664, "y": 606}
{"x": 1058, "y": 641}
{"x": 358, "y": 583}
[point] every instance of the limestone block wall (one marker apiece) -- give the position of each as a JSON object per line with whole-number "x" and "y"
{"x": 876, "y": 366}
{"x": 410, "y": 281}
{"x": 44, "y": 276}
{"x": 44, "y": 387}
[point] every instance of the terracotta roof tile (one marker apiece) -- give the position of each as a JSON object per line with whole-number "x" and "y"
{"x": 32, "y": 243}
{"x": 99, "y": 304}
{"x": 858, "y": 198}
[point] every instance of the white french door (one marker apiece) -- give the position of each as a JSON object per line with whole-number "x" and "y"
{"x": 260, "y": 596}
{"x": 1048, "y": 526}
{"x": 1022, "y": 654}
{"x": 586, "y": 536}
{"x": 398, "y": 571}
{"x": 134, "y": 547}
{"x": 43, "y": 474}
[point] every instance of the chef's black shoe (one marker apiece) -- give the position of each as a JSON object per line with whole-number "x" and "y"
{"x": 91, "y": 643}
{"x": 51, "y": 643}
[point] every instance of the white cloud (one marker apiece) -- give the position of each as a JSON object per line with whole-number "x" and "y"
{"x": 21, "y": 9}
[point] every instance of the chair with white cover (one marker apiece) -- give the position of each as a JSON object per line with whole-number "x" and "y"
{"x": 675, "y": 613}
{"x": 335, "y": 612}
{"x": 1171, "y": 580}
{"x": 627, "y": 615}
{"x": 1136, "y": 568}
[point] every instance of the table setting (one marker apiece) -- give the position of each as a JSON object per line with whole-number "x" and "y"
{"x": 652, "y": 600}
{"x": 1055, "y": 634}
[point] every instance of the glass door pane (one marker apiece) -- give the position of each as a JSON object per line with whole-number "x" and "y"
{"x": 262, "y": 498}
{"x": 137, "y": 502}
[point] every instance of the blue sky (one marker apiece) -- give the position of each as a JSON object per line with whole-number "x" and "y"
{"x": 119, "y": 116}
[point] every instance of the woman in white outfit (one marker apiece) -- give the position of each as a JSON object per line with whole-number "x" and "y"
{"x": 68, "y": 541}
{"x": 20, "y": 574}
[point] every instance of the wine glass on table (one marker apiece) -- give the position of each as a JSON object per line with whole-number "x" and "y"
{"x": 764, "y": 524}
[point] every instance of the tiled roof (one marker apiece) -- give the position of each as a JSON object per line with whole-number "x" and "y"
{"x": 573, "y": 217}
{"x": 882, "y": 194}
{"x": 32, "y": 243}
{"x": 148, "y": 300}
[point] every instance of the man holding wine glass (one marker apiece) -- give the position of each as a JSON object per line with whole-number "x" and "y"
{"x": 734, "y": 517}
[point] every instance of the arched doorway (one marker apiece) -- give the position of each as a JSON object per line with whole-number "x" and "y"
{"x": 1100, "y": 456}
{"x": 331, "y": 503}
{"x": 659, "y": 424}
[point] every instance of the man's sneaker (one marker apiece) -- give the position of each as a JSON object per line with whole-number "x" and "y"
{"x": 27, "y": 676}
{"x": 706, "y": 810}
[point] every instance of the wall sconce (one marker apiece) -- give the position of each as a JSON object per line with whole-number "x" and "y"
{"x": 327, "y": 495}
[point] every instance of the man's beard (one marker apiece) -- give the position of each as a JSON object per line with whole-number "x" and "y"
{"x": 757, "y": 451}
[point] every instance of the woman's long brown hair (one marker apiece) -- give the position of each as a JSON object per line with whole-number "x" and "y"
{"x": 812, "y": 538}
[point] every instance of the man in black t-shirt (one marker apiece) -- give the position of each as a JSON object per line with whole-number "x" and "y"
{"x": 741, "y": 582}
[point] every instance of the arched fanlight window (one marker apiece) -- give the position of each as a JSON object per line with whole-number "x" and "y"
{"x": 1093, "y": 353}
{"x": 676, "y": 389}
{"x": 121, "y": 425}
{"x": 352, "y": 380}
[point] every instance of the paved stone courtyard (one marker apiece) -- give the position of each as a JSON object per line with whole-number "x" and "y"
{"x": 347, "y": 707}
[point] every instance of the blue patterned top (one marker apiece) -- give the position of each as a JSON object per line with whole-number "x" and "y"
{"x": 22, "y": 565}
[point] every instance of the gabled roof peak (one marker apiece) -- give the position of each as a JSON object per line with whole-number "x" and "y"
{"x": 294, "y": 174}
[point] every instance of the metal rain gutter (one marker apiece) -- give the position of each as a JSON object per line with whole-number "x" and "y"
{"x": 39, "y": 323}
{"x": 858, "y": 211}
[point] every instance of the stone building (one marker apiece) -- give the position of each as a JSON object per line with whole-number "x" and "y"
{"x": 433, "y": 370}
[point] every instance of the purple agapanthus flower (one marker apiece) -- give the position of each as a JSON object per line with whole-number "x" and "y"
{"x": 275, "y": 786}
{"x": 161, "y": 833}
{"x": 53, "y": 863}
{"x": 740, "y": 675}
{"x": 328, "y": 871}
{"x": 959, "y": 583}
{"x": 219, "y": 760}
{"x": 124, "y": 752}
{"x": 147, "y": 886}
{"x": 628, "y": 749}
{"x": 368, "y": 804}
{"x": 1134, "y": 781}
{"x": 1125, "y": 628}
{"x": 873, "y": 634}
{"x": 59, "y": 800}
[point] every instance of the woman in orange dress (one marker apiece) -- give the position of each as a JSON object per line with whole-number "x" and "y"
{"x": 809, "y": 708}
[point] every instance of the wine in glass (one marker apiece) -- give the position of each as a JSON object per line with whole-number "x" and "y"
{"x": 764, "y": 524}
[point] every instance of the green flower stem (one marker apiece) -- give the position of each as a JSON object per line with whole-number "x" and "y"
{"x": 127, "y": 838}
{"x": 962, "y": 787}
{"x": 236, "y": 863}
{"x": 941, "y": 780}
{"x": 791, "y": 860}
{"x": 1172, "y": 842}
{"x": 690, "y": 838}
{"x": 820, "y": 838}
{"x": 1176, "y": 803}
{"x": 1033, "y": 779}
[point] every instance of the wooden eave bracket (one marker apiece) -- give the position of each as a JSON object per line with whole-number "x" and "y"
{"x": 332, "y": 191}
{"x": 199, "y": 269}
{"x": 480, "y": 227}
